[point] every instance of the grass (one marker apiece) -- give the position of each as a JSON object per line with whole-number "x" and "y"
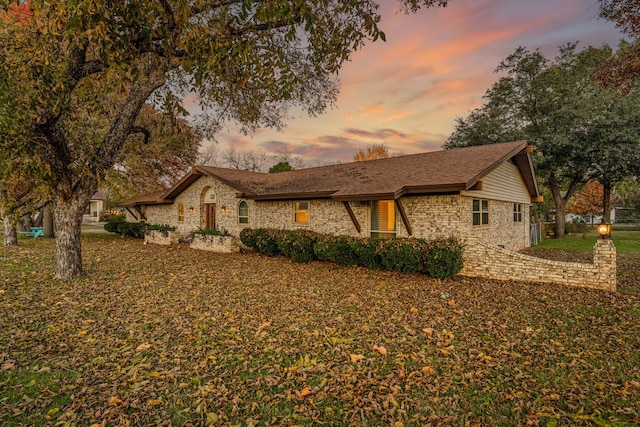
{"x": 625, "y": 241}
{"x": 159, "y": 335}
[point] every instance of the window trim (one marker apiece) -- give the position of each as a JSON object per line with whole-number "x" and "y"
{"x": 297, "y": 210}
{"x": 180, "y": 212}
{"x": 240, "y": 216}
{"x": 518, "y": 209}
{"x": 482, "y": 213}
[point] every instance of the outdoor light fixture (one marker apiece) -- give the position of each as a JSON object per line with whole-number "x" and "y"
{"x": 604, "y": 229}
{"x": 192, "y": 209}
{"x": 224, "y": 209}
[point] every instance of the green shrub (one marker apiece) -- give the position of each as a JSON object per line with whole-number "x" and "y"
{"x": 160, "y": 227}
{"x": 443, "y": 257}
{"x": 248, "y": 238}
{"x": 266, "y": 242}
{"x": 297, "y": 244}
{"x": 115, "y": 217}
{"x": 367, "y": 252}
{"x": 131, "y": 229}
{"x": 403, "y": 255}
{"x": 211, "y": 231}
{"x": 112, "y": 227}
{"x": 113, "y": 222}
{"x": 334, "y": 249}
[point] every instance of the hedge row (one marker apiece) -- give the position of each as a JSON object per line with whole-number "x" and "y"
{"x": 117, "y": 224}
{"x": 440, "y": 258}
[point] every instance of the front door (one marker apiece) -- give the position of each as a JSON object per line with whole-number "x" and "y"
{"x": 211, "y": 215}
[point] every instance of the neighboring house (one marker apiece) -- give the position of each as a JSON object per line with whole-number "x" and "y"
{"x": 482, "y": 192}
{"x": 95, "y": 208}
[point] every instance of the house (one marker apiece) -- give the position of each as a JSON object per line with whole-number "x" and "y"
{"x": 484, "y": 192}
{"x": 95, "y": 208}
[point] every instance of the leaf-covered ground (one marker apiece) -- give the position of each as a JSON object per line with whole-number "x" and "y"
{"x": 172, "y": 336}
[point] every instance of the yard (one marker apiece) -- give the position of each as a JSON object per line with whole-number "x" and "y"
{"x": 171, "y": 336}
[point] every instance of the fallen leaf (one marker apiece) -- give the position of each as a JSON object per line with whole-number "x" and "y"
{"x": 427, "y": 330}
{"x": 379, "y": 349}
{"x": 356, "y": 357}
{"x": 413, "y": 310}
{"x": 451, "y": 302}
{"x": 144, "y": 346}
{"x": 305, "y": 391}
{"x": 153, "y": 402}
{"x": 427, "y": 369}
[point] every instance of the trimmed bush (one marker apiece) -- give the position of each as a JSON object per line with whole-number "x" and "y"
{"x": 266, "y": 242}
{"x": 113, "y": 222}
{"x": 334, "y": 249}
{"x": 402, "y": 255}
{"x": 211, "y": 231}
{"x": 131, "y": 229}
{"x": 160, "y": 227}
{"x": 440, "y": 258}
{"x": 248, "y": 238}
{"x": 367, "y": 252}
{"x": 297, "y": 244}
{"x": 443, "y": 258}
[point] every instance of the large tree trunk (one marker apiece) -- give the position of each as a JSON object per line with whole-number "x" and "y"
{"x": 47, "y": 221}
{"x": 10, "y": 231}
{"x": 67, "y": 218}
{"x": 606, "y": 202}
{"x": 560, "y": 202}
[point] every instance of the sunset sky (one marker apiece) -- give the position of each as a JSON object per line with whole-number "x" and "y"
{"x": 435, "y": 66}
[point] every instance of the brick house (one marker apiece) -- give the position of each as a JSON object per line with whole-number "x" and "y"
{"x": 482, "y": 192}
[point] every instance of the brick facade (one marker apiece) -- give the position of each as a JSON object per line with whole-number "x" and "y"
{"x": 429, "y": 216}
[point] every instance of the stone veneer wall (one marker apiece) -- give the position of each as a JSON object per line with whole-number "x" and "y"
{"x": 160, "y": 237}
{"x": 483, "y": 260}
{"x": 224, "y": 244}
{"x": 429, "y": 216}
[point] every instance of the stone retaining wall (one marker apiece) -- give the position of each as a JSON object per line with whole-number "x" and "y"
{"x": 482, "y": 260}
{"x": 160, "y": 237}
{"x": 225, "y": 244}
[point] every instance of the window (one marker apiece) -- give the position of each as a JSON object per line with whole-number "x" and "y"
{"x": 480, "y": 212}
{"x": 180, "y": 212}
{"x": 383, "y": 219}
{"x": 243, "y": 213}
{"x": 301, "y": 212}
{"x": 517, "y": 212}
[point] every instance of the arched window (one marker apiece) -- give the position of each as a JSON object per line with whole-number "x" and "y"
{"x": 243, "y": 213}
{"x": 180, "y": 212}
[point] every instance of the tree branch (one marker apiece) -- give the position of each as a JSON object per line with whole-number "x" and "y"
{"x": 144, "y": 131}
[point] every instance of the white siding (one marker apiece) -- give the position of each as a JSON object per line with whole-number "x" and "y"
{"x": 503, "y": 183}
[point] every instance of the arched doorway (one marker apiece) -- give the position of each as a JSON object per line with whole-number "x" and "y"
{"x": 208, "y": 208}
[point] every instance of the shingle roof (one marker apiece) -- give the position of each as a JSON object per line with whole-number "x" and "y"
{"x": 426, "y": 173}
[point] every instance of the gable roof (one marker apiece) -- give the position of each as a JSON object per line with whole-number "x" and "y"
{"x": 445, "y": 171}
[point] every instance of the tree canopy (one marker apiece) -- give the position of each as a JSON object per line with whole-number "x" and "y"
{"x": 82, "y": 71}
{"x": 622, "y": 71}
{"x": 280, "y": 167}
{"x": 579, "y": 129}
{"x": 372, "y": 152}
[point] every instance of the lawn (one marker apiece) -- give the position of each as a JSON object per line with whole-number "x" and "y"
{"x": 171, "y": 336}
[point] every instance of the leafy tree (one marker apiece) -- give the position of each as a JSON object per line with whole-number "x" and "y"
{"x": 589, "y": 200}
{"x": 84, "y": 70}
{"x": 559, "y": 109}
{"x": 372, "y": 152}
{"x": 280, "y": 167}
{"x": 153, "y": 161}
{"x": 622, "y": 71}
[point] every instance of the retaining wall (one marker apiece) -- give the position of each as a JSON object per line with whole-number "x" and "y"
{"x": 483, "y": 260}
